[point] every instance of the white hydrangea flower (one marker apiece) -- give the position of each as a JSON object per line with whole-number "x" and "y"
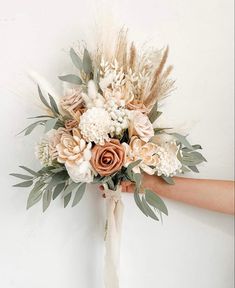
{"x": 95, "y": 125}
{"x": 42, "y": 152}
{"x": 169, "y": 165}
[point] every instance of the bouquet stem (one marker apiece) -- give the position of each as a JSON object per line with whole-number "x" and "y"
{"x": 113, "y": 236}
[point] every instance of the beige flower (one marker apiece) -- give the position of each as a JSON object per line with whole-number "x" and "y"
{"x": 71, "y": 148}
{"x": 139, "y": 150}
{"x": 141, "y": 126}
{"x": 54, "y": 137}
{"x": 108, "y": 158}
{"x": 72, "y": 102}
{"x": 75, "y": 153}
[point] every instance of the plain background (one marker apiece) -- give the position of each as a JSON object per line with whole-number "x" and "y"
{"x": 64, "y": 247}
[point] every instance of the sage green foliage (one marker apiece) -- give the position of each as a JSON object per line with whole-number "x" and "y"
{"x": 47, "y": 184}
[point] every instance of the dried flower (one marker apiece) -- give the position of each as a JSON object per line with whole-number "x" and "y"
{"x": 95, "y": 125}
{"x": 54, "y": 137}
{"x": 70, "y": 124}
{"x": 108, "y": 158}
{"x": 137, "y": 105}
{"x": 42, "y": 152}
{"x": 140, "y": 126}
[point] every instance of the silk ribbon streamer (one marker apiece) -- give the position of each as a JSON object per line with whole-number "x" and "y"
{"x": 115, "y": 209}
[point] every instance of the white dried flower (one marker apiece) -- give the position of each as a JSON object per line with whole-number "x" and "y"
{"x": 169, "y": 165}
{"x": 95, "y": 125}
{"x": 42, "y": 152}
{"x": 93, "y": 98}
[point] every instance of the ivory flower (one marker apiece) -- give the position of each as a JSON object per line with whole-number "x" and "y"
{"x": 75, "y": 154}
{"x": 140, "y": 125}
{"x": 108, "y": 158}
{"x": 139, "y": 150}
{"x": 95, "y": 125}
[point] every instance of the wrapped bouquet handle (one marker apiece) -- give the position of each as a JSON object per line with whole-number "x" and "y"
{"x": 115, "y": 208}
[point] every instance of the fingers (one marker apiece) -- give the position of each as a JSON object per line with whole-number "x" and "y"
{"x": 127, "y": 186}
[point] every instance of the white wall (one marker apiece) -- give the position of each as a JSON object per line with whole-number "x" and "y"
{"x": 64, "y": 248}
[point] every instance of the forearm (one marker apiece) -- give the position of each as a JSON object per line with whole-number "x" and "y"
{"x": 215, "y": 195}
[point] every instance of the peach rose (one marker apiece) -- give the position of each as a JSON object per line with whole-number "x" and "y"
{"x": 108, "y": 158}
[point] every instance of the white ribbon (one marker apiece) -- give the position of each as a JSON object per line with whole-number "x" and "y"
{"x": 113, "y": 236}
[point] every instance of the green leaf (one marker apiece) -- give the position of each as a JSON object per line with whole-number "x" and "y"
{"x": 32, "y": 172}
{"x": 58, "y": 189}
{"x": 87, "y": 62}
{"x": 139, "y": 202}
{"x": 21, "y": 176}
{"x": 154, "y": 115}
{"x": 24, "y": 184}
{"x": 50, "y": 124}
{"x": 79, "y": 194}
{"x": 195, "y": 147}
{"x": 67, "y": 199}
{"x": 70, "y": 188}
{"x": 76, "y": 59}
{"x": 46, "y": 200}
{"x": 43, "y": 99}
{"x": 154, "y": 200}
{"x": 182, "y": 139}
{"x": 168, "y": 180}
{"x": 137, "y": 179}
{"x": 53, "y": 105}
{"x": 30, "y": 128}
{"x": 194, "y": 169}
{"x": 71, "y": 78}
{"x": 148, "y": 210}
{"x": 130, "y": 167}
{"x": 36, "y": 194}
{"x": 40, "y": 116}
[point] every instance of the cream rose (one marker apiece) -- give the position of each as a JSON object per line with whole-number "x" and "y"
{"x": 139, "y": 150}
{"x": 141, "y": 126}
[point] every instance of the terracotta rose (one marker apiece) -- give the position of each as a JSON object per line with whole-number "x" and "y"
{"x": 108, "y": 158}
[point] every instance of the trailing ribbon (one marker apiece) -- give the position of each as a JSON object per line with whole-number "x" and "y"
{"x": 113, "y": 236}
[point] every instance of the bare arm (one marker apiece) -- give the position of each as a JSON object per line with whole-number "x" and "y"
{"x": 217, "y": 195}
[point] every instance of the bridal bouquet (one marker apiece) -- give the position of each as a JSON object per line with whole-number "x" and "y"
{"x": 104, "y": 130}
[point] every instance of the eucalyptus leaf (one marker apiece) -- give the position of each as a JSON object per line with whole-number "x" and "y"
{"x": 21, "y": 176}
{"x": 148, "y": 210}
{"x": 131, "y": 166}
{"x": 76, "y": 59}
{"x": 67, "y": 199}
{"x": 32, "y": 172}
{"x": 194, "y": 169}
{"x": 46, "y": 199}
{"x": 139, "y": 202}
{"x": 182, "y": 139}
{"x": 87, "y": 62}
{"x": 137, "y": 179}
{"x": 168, "y": 180}
{"x": 58, "y": 189}
{"x": 70, "y": 188}
{"x": 50, "y": 124}
{"x": 24, "y": 184}
{"x": 42, "y": 98}
{"x": 53, "y": 105}
{"x": 36, "y": 194}
{"x": 30, "y": 128}
{"x": 71, "y": 78}
{"x": 154, "y": 200}
{"x": 79, "y": 194}
{"x": 195, "y": 147}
